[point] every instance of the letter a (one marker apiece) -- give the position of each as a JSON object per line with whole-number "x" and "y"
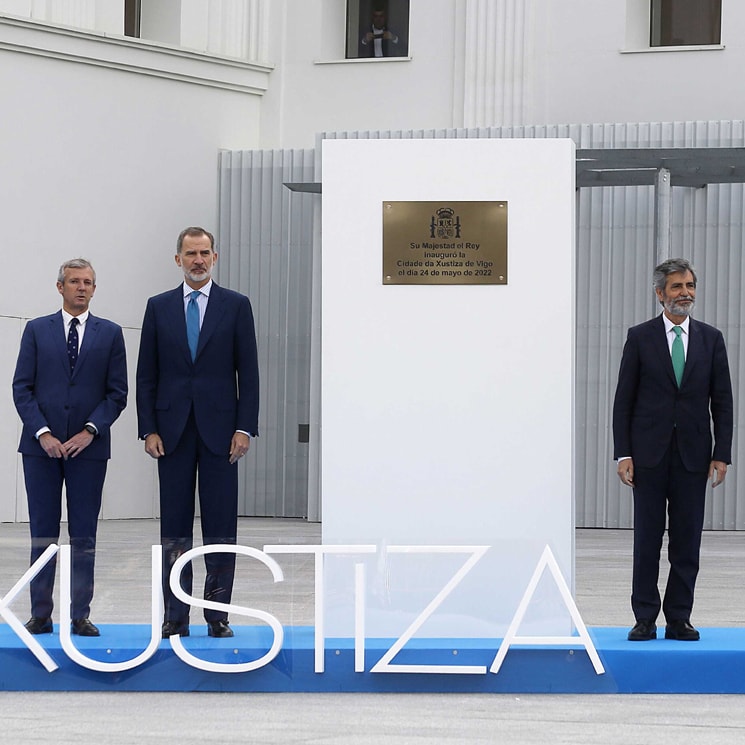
{"x": 547, "y": 560}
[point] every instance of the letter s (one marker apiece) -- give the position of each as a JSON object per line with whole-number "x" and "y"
{"x": 220, "y": 667}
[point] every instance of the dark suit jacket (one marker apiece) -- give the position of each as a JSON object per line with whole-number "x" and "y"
{"x": 389, "y": 49}
{"x": 46, "y": 394}
{"x": 649, "y": 405}
{"x": 221, "y": 384}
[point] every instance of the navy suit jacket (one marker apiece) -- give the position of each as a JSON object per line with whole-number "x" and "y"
{"x": 649, "y": 405}
{"x": 221, "y": 385}
{"x": 47, "y": 394}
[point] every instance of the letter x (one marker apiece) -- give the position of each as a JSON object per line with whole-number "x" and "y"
{"x": 13, "y": 621}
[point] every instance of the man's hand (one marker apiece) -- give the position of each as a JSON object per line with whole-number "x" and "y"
{"x": 239, "y": 446}
{"x": 626, "y": 471}
{"x": 154, "y": 445}
{"x": 52, "y": 446}
{"x": 717, "y": 472}
{"x": 77, "y": 443}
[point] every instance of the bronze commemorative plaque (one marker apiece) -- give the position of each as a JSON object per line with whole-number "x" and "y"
{"x": 444, "y": 243}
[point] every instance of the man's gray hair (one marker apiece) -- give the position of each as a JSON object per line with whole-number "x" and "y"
{"x": 671, "y": 266}
{"x": 75, "y": 264}
{"x": 194, "y": 232}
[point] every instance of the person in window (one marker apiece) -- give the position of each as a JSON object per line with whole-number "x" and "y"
{"x": 379, "y": 40}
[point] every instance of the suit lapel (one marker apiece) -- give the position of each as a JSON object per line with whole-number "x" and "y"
{"x": 212, "y": 316}
{"x": 695, "y": 348}
{"x": 59, "y": 343}
{"x": 90, "y": 339}
{"x": 175, "y": 319}
{"x": 663, "y": 349}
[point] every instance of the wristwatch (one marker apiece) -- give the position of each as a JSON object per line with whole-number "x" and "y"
{"x": 90, "y": 428}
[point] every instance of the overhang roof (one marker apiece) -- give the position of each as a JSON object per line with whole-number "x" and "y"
{"x": 688, "y": 166}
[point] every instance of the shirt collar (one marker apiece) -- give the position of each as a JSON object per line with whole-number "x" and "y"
{"x": 669, "y": 324}
{"x": 204, "y": 290}
{"x": 67, "y": 317}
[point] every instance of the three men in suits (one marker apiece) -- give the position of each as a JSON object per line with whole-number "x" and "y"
{"x": 69, "y": 387}
{"x": 673, "y": 382}
{"x": 197, "y": 407}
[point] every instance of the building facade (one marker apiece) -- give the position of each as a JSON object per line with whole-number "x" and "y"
{"x": 126, "y": 121}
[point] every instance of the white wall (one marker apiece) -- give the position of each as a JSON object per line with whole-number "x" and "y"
{"x": 472, "y": 63}
{"x": 161, "y": 20}
{"x": 589, "y": 67}
{"x": 103, "y": 15}
{"x": 314, "y": 89}
{"x": 110, "y": 165}
{"x": 494, "y": 62}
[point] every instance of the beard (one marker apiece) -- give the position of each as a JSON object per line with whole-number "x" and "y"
{"x": 198, "y": 276}
{"x": 677, "y": 308}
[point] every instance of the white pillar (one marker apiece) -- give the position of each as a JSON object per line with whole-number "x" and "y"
{"x": 230, "y": 28}
{"x": 496, "y": 47}
{"x": 75, "y": 13}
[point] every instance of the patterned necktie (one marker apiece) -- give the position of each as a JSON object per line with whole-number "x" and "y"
{"x": 192, "y": 323}
{"x": 72, "y": 343}
{"x": 679, "y": 357}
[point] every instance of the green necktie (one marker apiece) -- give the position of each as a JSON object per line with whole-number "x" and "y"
{"x": 679, "y": 357}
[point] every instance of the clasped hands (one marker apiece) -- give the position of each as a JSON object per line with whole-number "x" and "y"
{"x": 70, "y": 449}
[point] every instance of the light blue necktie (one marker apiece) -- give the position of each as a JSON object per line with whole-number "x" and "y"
{"x": 192, "y": 323}
{"x": 679, "y": 357}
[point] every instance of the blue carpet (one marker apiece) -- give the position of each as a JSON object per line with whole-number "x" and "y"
{"x": 716, "y": 664}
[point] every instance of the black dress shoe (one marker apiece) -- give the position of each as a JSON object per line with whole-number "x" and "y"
{"x": 219, "y": 629}
{"x": 643, "y": 631}
{"x": 682, "y": 631}
{"x": 174, "y": 628}
{"x": 36, "y": 625}
{"x": 84, "y": 627}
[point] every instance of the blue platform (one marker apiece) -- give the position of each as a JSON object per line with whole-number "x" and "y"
{"x": 716, "y": 664}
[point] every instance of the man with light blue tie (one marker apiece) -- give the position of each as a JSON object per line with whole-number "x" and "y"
{"x": 673, "y": 384}
{"x": 197, "y": 408}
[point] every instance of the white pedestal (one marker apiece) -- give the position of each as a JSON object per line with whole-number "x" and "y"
{"x": 447, "y": 411}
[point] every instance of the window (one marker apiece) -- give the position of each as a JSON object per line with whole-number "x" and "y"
{"x": 132, "y": 18}
{"x": 676, "y": 23}
{"x": 377, "y": 28}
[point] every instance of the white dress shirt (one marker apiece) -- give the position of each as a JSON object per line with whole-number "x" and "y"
{"x": 669, "y": 326}
{"x": 202, "y": 299}
{"x": 82, "y": 320}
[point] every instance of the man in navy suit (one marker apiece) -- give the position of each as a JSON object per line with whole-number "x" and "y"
{"x": 674, "y": 381}
{"x": 69, "y": 387}
{"x": 197, "y": 407}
